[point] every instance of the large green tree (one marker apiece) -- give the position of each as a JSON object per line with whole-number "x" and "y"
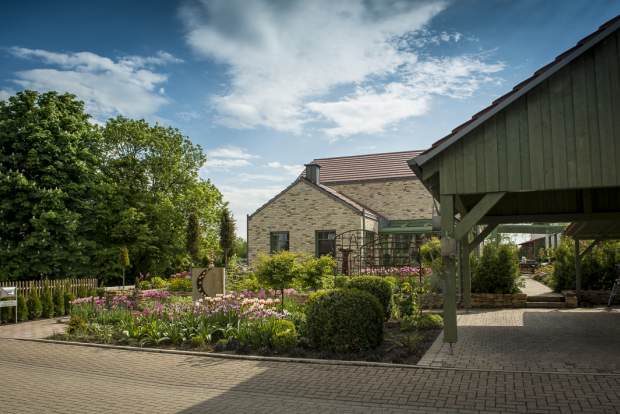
{"x": 72, "y": 194}
{"x": 49, "y": 188}
{"x": 155, "y": 170}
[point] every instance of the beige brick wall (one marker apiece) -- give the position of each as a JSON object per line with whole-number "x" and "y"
{"x": 394, "y": 199}
{"x": 301, "y": 211}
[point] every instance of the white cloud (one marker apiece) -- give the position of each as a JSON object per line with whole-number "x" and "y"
{"x": 281, "y": 54}
{"x": 188, "y": 115}
{"x": 226, "y": 163}
{"x": 5, "y": 94}
{"x": 371, "y": 110}
{"x": 291, "y": 170}
{"x": 289, "y": 62}
{"x": 128, "y": 85}
{"x": 226, "y": 158}
{"x": 231, "y": 152}
{"x": 257, "y": 177}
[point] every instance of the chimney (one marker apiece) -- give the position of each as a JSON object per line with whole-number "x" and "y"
{"x": 312, "y": 173}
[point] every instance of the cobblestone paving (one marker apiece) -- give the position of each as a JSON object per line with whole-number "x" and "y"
{"x": 547, "y": 340}
{"x": 40, "y": 329}
{"x": 42, "y": 377}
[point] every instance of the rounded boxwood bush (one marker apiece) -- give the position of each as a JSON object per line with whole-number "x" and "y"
{"x": 284, "y": 335}
{"x": 344, "y": 320}
{"x": 376, "y": 286}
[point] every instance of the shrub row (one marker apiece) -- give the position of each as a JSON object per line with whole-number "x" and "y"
{"x": 49, "y": 304}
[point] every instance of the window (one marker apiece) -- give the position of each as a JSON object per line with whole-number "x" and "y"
{"x": 326, "y": 243}
{"x": 278, "y": 241}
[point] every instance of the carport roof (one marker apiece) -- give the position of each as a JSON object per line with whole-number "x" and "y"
{"x": 594, "y": 230}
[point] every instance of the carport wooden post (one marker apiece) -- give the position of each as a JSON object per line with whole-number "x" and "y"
{"x": 465, "y": 271}
{"x": 462, "y": 230}
{"x": 448, "y": 252}
{"x": 577, "y": 269}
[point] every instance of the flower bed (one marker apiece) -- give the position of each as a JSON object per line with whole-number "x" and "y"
{"x": 244, "y": 322}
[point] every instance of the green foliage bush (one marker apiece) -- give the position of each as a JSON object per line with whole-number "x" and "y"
{"x": 341, "y": 281}
{"x": 284, "y": 335}
{"x": 158, "y": 282}
{"x": 497, "y": 270}
{"x": 279, "y": 335}
{"x": 597, "y": 267}
{"x": 314, "y": 271}
{"x": 35, "y": 308}
{"x": 344, "y": 320}
{"x": 408, "y": 297}
{"x": 77, "y": 325}
{"x": 68, "y": 298}
{"x": 144, "y": 285}
{"x": 376, "y": 286}
{"x": 47, "y": 304}
{"x": 245, "y": 282}
{"x": 430, "y": 251}
{"x": 423, "y": 321}
{"x": 22, "y": 308}
{"x": 59, "y": 302}
{"x": 83, "y": 292}
{"x": 180, "y": 285}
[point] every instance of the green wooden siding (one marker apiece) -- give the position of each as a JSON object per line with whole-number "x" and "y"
{"x": 563, "y": 134}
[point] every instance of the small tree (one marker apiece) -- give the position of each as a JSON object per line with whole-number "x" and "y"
{"x": 278, "y": 271}
{"x": 193, "y": 236}
{"x": 241, "y": 248}
{"x": 59, "y": 301}
{"x": 227, "y": 234}
{"x": 34, "y": 305}
{"x": 47, "y": 303}
{"x": 22, "y": 308}
{"x": 124, "y": 261}
{"x": 314, "y": 270}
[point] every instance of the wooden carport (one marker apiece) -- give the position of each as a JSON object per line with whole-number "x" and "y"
{"x": 545, "y": 152}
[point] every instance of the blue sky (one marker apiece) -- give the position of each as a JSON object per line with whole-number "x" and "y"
{"x": 265, "y": 86}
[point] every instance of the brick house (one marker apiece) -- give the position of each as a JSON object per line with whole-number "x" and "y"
{"x": 365, "y": 210}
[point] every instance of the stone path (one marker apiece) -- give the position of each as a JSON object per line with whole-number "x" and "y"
{"x": 535, "y": 288}
{"x": 55, "y": 378}
{"x": 40, "y": 329}
{"x": 548, "y": 340}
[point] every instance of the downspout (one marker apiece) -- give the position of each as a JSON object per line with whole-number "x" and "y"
{"x": 363, "y": 252}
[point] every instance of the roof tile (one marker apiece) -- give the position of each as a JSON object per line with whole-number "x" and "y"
{"x": 366, "y": 167}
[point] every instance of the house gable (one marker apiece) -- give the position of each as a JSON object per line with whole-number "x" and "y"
{"x": 556, "y": 131}
{"x": 302, "y": 209}
{"x": 394, "y": 199}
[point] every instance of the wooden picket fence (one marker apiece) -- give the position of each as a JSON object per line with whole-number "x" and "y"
{"x": 24, "y": 287}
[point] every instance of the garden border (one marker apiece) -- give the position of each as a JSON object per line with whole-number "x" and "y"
{"x": 314, "y": 361}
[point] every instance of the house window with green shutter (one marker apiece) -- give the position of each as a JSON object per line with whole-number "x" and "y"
{"x": 278, "y": 241}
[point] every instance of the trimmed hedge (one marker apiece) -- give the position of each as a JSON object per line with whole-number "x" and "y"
{"x": 344, "y": 320}
{"x": 377, "y": 286}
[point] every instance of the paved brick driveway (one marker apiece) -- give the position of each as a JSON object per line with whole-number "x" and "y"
{"x": 40, "y": 377}
{"x": 549, "y": 340}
